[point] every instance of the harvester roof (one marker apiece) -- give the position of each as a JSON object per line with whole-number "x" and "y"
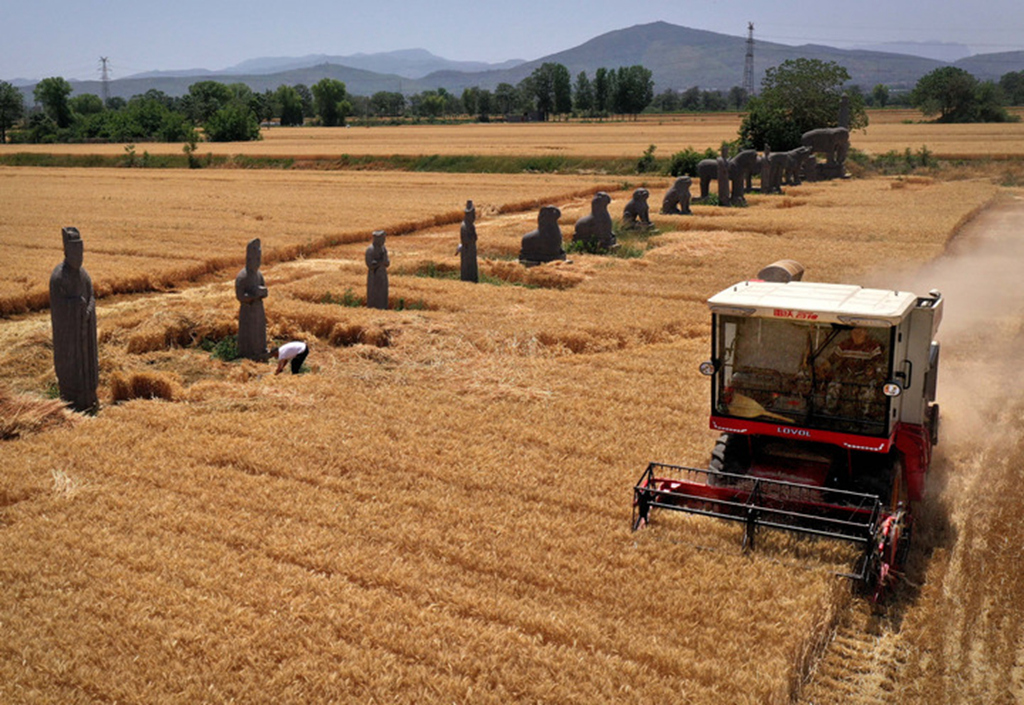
{"x": 815, "y": 301}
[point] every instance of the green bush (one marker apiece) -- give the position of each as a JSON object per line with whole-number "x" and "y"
{"x": 684, "y": 163}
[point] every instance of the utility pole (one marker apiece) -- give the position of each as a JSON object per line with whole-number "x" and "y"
{"x": 748, "y": 67}
{"x": 105, "y": 77}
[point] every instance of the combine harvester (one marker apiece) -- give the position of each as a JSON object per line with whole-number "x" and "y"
{"x": 824, "y": 395}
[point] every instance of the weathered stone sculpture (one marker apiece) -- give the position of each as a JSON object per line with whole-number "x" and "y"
{"x": 834, "y": 143}
{"x": 637, "y": 214}
{"x": 766, "y": 169}
{"x": 545, "y": 243}
{"x": 469, "y": 271}
{"x": 73, "y": 319}
{"x": 595, "y": 230}
{"x": 677, "y": 198}
{"x": 250, "y": 290}
{"x": 377, "y": 263}
{"x": 722, "y": 168}
{"x": 784, "y": 167}
{"x": 740, "y": 168}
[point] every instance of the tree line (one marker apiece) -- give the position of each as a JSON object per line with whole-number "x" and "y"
{"x": 793, "y": 95}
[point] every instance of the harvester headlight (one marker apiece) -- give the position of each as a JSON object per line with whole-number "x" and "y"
{"x": 892, "y": 389}
{"x": 708, "y": 368}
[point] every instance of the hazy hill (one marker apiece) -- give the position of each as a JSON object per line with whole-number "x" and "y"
{"x": 678, "y": 57}
{"x": 408, "y": 63}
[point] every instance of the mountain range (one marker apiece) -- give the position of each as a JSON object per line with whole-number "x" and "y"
{"x": 678, "y": 57}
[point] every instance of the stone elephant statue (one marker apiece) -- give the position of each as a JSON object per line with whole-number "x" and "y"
{"x": 785, "y": 167}
{"x": 740, "y": 168}
{"x": 833, "y": 142}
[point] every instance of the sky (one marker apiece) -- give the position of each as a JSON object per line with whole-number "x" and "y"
{"x": 66, "y": 38}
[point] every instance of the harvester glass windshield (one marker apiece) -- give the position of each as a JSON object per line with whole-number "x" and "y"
{"x": 809, "y": 374}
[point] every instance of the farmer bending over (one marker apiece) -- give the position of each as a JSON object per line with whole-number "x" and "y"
{"x": 295, "y": 351}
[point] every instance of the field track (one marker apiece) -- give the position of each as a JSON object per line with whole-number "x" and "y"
{"x": 956, "y": 631}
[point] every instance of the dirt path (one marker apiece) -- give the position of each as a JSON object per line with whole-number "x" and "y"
{"x": 955, "y": 633}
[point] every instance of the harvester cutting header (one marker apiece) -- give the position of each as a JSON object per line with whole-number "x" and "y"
{"x": 824, "y": 395}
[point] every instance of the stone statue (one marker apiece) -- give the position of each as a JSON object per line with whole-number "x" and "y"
{"x": 738, "y": 171}
{"x": 377, "y": 263}
{"x": 637, "y": 213}
{"x": 250, "y": 290}
{"x": 467, "y": 245}
{"x": 722, "y": 167}
{"x": 545, "y": 243}
{"x": 595, "y": 229}
{"x": 844, "y": 111}
{"x": 834, "y": 143}
{"x": 740, "y": 168}
{"x": 73, "y": 318}
{"x": 677, "y": 198}
{"x": 784, "y": 167}
{"x": 766, "y": 169}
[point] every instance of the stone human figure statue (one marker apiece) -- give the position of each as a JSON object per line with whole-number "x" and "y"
{"x": 766, "y": 169}
{"x": 637, "y": 214}
{"x": 250, "y": 290}
{"x": 723, "y": 178}
{"x": 73, "y": 319}
{"x": 467, "y": 245}
{"x": 377, "y": 263}
{"x": 545, "y": 243}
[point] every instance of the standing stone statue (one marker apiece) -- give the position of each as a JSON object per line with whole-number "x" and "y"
{"x": 377, "y": 263}
{"x": 73, "y": 318}
{"x": 595, "y": 230}
{"x": 723, "y": 178}
{"x": 637, "y": 214}
{"x": 467, "y": 245}
{"x": 250, "y": 290}
{"x": 545, "y": 243}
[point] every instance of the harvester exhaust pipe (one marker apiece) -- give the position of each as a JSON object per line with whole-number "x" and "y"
{"x": 782, "y": 271}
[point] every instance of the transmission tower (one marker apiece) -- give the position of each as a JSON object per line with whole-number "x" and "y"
{"x": 105, "y": 77}
{"x": 748, "y": 67}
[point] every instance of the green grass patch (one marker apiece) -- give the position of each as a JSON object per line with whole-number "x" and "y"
{"x": 348, "y": 299}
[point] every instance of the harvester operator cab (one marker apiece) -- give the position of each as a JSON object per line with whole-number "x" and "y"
{"x": 802, "y": 359}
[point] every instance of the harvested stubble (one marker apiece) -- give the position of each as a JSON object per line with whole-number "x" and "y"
{"x": 442, "y": 519}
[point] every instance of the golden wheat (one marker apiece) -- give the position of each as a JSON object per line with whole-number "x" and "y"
{"x": 439, "y": 510}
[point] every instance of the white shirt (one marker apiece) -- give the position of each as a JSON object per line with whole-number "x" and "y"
{"x": 290, "y": 350}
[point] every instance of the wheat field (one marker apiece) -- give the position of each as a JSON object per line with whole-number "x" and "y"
{"x": 438, "y": 511}
{"x": 887, "y": 130}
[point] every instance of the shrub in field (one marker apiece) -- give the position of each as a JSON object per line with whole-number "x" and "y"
{"x": 225, "y": 349}
{"x": 684, "y": 163}
{"x": 348, "y": 299}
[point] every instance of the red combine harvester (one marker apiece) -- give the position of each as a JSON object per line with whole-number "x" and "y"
{"x": 824, "y": 395}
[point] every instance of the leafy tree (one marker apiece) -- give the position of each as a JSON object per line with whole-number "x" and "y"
{"x": 288, "y": 103}
{"x": 484, "y": 101}
{"x": 603, "y": 89}
{"x": 634, "y": 90}
{"x": 583, "y": 94}
{"x": 86, "y": 104}
{"x": 12, "y": 108}
{"x": 205, "y": 98}
{"x": 307, "y": 99}
{"x": 541, "y": 87}
{"x": 880, "y": 95}
{"x": 797, "y": 96}
{"x": 330, "y": 101}
{"x": 956, "y": 96}
{"x": 387, "y": 103}
{"x": 116, "y": 102}
{"x": 562, "y": 89}
{"x": 738, "y": 97}
{"x": 506, "y": 98}
{"x": 1012, "y": 84}
{"x": 232, "y": 123}
{"x": 52, "y": 94}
